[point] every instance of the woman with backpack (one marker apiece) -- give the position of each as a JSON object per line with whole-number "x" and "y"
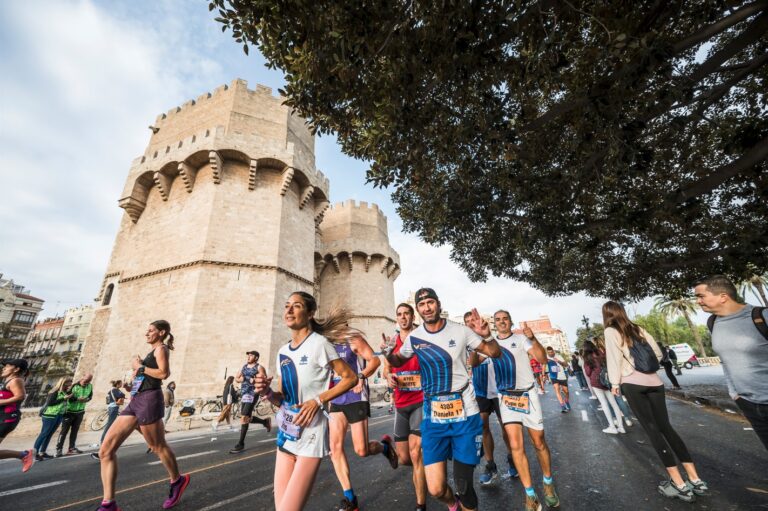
{"x": 632, "y": 360}
{"x": 594, "y": 367}
{"x": 115, "y": 399}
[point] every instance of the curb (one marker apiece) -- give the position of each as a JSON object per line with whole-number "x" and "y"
{"x": 725, "y": 405}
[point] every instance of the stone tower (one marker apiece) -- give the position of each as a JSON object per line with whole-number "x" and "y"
{"x": 356, "y": 267}
{"x": 220, "y": 226}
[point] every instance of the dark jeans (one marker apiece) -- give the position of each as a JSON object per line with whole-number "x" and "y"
{"x": 670, "y": 375}
{"x": 71, "y": 422}
{"x": 113, "y": 412}
{"x": 49, "y": 428}
{"x": 581, "y": 378}
{"x": 650, "y": 408}
{"x": 757, "y": 415}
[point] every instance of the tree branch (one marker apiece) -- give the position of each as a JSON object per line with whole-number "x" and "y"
{"x": 719, "y": 26}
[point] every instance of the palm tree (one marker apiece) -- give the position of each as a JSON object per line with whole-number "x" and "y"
{"x": 683, "y": 306}
{"x": 757, "y": 284}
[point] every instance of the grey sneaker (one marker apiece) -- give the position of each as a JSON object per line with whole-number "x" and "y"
{"x": 532, "y": 503}
{"x": 669, "y": 490}
{"x": 699, "y": 487}
{"x": 550, "y": 496}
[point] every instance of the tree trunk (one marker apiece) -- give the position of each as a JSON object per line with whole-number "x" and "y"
{"x": 761, "y": 292}
{"x": 696, "y": 335}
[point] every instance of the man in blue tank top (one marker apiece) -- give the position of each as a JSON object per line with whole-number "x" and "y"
{"x": 248, "y": 398}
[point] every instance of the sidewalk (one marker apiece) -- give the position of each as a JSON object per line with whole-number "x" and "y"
{"x": 715, "y": 396}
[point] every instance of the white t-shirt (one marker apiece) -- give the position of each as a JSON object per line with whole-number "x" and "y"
{"x": 305, "y": 373}
{"x": 518, "y": 345}
{"x": 442, "y": 360}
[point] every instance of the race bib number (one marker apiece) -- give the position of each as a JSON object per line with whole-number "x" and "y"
{"x": 286, "y": 417}
{"x": 136, "y": 385}
{"x": 248, "y": 398}
{"x": 408, "y": 381}
{"x": 517, "y": 402}
{"x": 447, "y": 408}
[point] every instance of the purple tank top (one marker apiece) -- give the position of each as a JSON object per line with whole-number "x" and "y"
{"x": 357, "y": 364}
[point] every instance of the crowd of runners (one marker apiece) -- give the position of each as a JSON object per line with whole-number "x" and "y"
{"x": 449, "y": 380}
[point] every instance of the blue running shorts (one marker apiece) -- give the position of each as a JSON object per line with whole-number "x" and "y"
{"x": 461, "y": 441}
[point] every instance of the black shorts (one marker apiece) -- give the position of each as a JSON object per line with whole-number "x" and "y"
{"x": 246, "y": 409}
{"x": 408, "y": 421}
{"x": 7, "y": 427}
{"x": 489, "y": 405}
{"x": 354, "y": 412}
{"x": 560, "y": 382}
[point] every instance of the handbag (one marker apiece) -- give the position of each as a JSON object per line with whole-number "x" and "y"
{"x": 644, "y": 356}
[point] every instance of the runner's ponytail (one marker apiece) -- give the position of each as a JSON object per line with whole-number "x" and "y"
{"x": 335, "y": 327}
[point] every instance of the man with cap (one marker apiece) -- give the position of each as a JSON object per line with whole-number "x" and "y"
{"x": 248, "y": 397}
{"x": 451, "y": 428}
{"x": 12, "y": 394}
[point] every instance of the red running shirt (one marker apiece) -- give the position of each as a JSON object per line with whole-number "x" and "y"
{"x": 405, "y": 398}
{"x": 535, "y": 365}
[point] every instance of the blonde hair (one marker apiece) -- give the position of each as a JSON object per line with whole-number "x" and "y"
{"x": 60, "y": 384}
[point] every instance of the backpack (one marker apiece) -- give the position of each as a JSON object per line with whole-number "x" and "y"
{"x": 110, "y": 398}
{"x": 187, "y": 408}
{"x": 603, "y": 377}
{"x": 644, "y": 356}
{"x": 757, "y": 319}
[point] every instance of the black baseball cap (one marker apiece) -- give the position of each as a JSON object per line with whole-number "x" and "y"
{"x": 424, "y": 293}
{"x": 18, "y": 362}
{"x": 253, "y": 352}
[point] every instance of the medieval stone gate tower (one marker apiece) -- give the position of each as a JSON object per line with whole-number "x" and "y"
{"x": 222, "y": 222}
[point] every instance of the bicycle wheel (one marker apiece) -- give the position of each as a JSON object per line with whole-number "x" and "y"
{"x": 210, "y": 410}
{"x": 98, "y": 422}
{"x": 265, "y": 408}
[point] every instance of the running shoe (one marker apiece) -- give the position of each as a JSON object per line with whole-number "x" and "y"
{"x": 563, "y": 409}
{"x": 489, "y": 476}
{"x": 268, "y": 424}
{"x": 550, "y": 495}
{"x": 112, "y": 506}
{"x": 568, "y": 406}
{"x": 237, "y": 449}
{"x": 59, "y": 454}
{"x": 532, "y": 503}
{"x": 176, "y": 491}
{"x": 592, "y": 397}
{"x": 390, "y": 451}
{"x": 95, "y": 456}
{"x": 699, "y": 487}
{"x": 74, "y": 450}
{"x": 46, "y": 456}
{"x": 669, "y": 490}
{"x": 346, "y": 505}
{"x": 541, "y": 392}
{"x": 29, "y": 459}
{"x": 628, "y": 423}
{"x": 512, "y": 472}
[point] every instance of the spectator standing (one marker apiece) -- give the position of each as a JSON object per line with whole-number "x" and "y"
{"x": 594, "y": 363}
{"x": 52, "y": 413}
{"x": 169, "y": 397}
{"x": 632, "y": 361}
{"x": 740, "y": 338}
{"x": 666, "y": 363}
{"x": 578, "y": 371}
{"x": 228, "y": 399}
{"x": 82, "y": 392}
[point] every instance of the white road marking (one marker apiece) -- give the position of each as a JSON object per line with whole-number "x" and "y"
{"x": 195, "y": 455}
{"x": 266, "y": 440}
{"x": 584, "y": 416}
{"x": 184, "y": 439}
{"x": 31, "y": 488}
{"x": 235, "y": 499}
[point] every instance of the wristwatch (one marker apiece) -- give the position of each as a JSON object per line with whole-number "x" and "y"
{"x": 361, "y": 376}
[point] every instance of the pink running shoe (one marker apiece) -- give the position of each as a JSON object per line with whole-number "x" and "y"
{"x": 110, "y": 506}
{"x": 177, "y": 490}
{"x": 28, "y": 460}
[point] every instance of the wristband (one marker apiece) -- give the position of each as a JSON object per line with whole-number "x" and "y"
{"x": 319, "y": 401}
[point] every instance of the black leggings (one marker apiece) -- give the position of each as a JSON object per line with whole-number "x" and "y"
{"x": 670, "y": 374}
{"x": 650, "y": 407}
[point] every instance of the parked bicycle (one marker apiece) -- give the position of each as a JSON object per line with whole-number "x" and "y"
{"x": 213, "y": 407}
{"x": 99, "y": 421}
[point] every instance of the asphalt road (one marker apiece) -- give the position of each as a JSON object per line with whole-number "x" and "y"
{"x": 592, "y": 470}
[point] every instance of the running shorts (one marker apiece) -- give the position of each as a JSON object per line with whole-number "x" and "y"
{"x": 354, "y": 412}
{"x": 7, "y": 427}
{"x": 408, "y": 421}
{"x": 560, "y": 382}
{"x": 246, "y": 409}
{"x": 461, "y": 441}
{"x": 147, "y": 406}
{"x": 489, "y": 405}
{"x": 534, "y": 419}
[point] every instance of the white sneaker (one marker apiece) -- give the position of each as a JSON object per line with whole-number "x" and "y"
{"x": 628, "y": 423}
{"x": 592, "y": 397}
{"x": 621, "y": 429}
{"x": 611, "y": 430}
{"x": 616, "y": 422}
{"x": 541, "y": 392}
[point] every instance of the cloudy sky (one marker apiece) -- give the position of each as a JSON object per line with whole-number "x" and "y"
{"x": 82, "y": 81}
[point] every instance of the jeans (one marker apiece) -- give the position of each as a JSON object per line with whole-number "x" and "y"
{"x": 113, "y": 411}
{"x": 757, "y": 415}
{"x": 46, "y": 433}
{"x": 582, "y": 379}
{"x": 70, "y": 424}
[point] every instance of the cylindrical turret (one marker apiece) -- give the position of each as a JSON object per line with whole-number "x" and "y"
{"x": 356, "y": 267}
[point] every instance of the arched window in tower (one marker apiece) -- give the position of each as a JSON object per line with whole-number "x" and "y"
{"x": 108, "y": 294}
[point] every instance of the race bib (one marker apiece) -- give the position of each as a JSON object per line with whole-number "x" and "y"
{"x": 136, "y": 385}
{"x": 517, "y": 402}
{"x": 408, "y": 381}
{"x": 447, "y": 408}
{"x": 248, "y": 398}
{"x": 285, "y": 419}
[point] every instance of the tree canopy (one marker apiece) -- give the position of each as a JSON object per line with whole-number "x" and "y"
{"x": 612, "y": 147}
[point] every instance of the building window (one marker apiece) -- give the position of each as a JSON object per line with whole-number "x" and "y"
{"x": 108, "y": 294}
{"x": 24, "y": 317}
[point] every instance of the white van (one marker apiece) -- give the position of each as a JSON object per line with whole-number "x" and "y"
{"x": 685, "y": 355}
